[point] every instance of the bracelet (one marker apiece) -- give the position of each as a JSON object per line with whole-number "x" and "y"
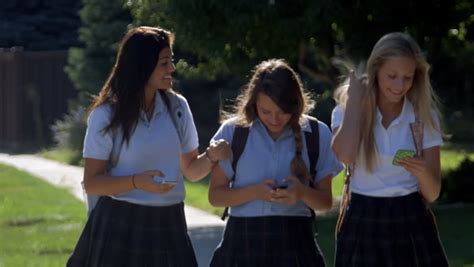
{"x": 133, "y": 182}
{"x": 206, "y": 154}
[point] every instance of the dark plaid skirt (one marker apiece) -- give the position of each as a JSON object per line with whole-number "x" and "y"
{"x": 119, "y": 233}
{"x": 268, "y": 241}
{"x": 383, "y": 231}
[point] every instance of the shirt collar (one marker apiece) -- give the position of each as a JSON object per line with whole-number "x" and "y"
{"x": 160, "y": 106}
{"x": 406, "y": 115}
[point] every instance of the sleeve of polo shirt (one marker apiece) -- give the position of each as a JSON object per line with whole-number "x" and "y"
{"x": 337, "y": 117}
{"x": 327, "y": 163}
{"x": 226, "y": 132}
{"x": 432, "y": 137}
{"x": 97, "y": 143}
{"x": 190, "y": 136}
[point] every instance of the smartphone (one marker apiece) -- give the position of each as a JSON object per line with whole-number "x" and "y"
{"x": 401, "y": 154}
{"x": 173, "y": 183}
{"x": 283, "y": 185}
{"x": 161, "y": 180}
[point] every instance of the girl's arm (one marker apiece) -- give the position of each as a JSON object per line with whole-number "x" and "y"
{"x": 346, "y": 140}
{"x": 195, "y": 166}
{"x": 98, "y": 182}
{"x": 427, "y": 170}
{"x": 220, "y": 195}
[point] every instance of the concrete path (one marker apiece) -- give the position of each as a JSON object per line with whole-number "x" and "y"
{"x": 205, "y": 229}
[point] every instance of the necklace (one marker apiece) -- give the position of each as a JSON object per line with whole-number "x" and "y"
{"x": 149, "y": 110}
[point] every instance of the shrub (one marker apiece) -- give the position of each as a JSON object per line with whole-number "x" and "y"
{"x": 69, "y": 132}
{"x": 458, "y": 184}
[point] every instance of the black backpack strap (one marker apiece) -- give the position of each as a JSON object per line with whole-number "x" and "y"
{"x": 239, "y": 139}
{"x": 312, "y": 146}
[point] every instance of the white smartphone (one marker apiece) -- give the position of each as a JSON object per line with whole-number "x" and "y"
{"x": 169, "y": 183}
{"x": 164, "y": 181}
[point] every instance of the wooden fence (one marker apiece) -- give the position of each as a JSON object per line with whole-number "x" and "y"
{"x": 34, "y": 92}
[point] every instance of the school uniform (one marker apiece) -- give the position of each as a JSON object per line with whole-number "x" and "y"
{"x": 262, "y": 233}
{"x": 139, "y": 228}
{"x": 387, "y": 222}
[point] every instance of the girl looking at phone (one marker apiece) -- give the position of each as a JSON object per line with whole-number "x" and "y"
{"x": 387, "y": 222}
{"x": 270, "y": 225}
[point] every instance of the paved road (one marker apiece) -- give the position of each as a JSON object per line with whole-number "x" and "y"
{"x": 205, "y": 229}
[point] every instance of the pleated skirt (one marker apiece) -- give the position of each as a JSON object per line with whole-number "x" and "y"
{"x": 119, "y": 233}
{"x": 389, "y": 231}
{"x": 278, "y": 241}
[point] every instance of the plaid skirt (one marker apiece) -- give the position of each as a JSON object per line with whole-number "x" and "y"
{"x": 119, "y": 233}
{"x": 389, "y": 231}
{"x": 268, "y": 241}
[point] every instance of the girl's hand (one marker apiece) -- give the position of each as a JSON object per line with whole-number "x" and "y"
{"x": 416, "y": 166}
{"x": 292, "y": 194}
{"x": 145, "y": 182}
{"x": 219, "y": 150}
{"x": 356, "y": 87}
{"x": 264, "y": 190}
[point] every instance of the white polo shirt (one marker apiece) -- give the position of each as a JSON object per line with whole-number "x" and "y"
{"x": 388, "y": 180}
{"x": 265, "y": 158}
{"x": 154, "y": 145}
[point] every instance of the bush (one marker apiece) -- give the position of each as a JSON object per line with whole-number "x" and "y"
{"x": 69, "y": 132}
{"x": 458, "y": 184}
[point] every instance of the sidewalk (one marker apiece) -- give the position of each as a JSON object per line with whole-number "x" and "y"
{"x": 205, "y": 229}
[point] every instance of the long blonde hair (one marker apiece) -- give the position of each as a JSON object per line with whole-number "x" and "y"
{"x": 421, "y": 95}
{"x": 276, "y": 79}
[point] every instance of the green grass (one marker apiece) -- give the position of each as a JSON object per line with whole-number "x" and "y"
{"x": 451, "y": 159}
{"x": 196, "y": 196}
{"x": 39, "y": 224}
{"x": 63, "y": 155}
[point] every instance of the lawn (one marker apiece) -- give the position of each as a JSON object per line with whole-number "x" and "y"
{"x": 41, "y": 223}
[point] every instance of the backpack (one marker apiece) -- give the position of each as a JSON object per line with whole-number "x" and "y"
{"x": 239, "y": 139}
{"x": 173, "y": 104}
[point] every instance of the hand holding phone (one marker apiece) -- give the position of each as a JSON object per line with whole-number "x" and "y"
{"x": 401, "y": 154}
{"x": 166, "y": 185}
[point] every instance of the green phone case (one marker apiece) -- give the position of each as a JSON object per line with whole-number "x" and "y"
{"x": 402, "y": 153}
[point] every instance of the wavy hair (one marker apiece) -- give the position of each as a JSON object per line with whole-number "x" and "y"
{"x": 276, "y": 79}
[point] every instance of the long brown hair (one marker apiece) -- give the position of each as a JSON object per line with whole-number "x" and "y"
{"x": 276, "y": 79}
{"x": 124, "y": 89}
{"x": 421, "y": 95}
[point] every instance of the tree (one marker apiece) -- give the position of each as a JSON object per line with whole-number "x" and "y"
{"x": 231, "y": 37}
{"x": 103, "y": 25}
{"x": 39, "y": 24}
